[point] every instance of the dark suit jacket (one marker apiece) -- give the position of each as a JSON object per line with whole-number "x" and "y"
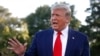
{"x": 42, "y": 44}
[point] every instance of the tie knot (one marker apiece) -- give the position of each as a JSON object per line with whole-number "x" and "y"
{"x": 59, "y": 33}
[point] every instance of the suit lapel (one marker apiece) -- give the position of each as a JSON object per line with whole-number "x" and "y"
{"x": 69, "y": 42}
{"x": 49, "y": 43}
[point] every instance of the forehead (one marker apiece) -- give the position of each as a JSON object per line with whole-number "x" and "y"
{"x": 58, "y": 10}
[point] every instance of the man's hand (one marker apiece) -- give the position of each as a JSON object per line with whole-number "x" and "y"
{"x": 17, "y": 47}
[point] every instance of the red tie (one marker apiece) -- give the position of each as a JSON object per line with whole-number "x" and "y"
{"x": 58, "y": 46}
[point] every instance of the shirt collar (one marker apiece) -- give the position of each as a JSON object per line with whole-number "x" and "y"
{"x": 64, "y": 31}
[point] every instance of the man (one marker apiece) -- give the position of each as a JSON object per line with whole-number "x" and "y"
{"x": 60, "y": 40}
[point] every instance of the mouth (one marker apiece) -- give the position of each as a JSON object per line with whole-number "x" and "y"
{"x": 54, "y": 23}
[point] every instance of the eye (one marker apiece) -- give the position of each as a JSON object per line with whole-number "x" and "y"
{"x": 57, "y": 14}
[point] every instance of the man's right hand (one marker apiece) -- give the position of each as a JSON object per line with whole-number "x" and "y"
{"x": 17, "y": 47}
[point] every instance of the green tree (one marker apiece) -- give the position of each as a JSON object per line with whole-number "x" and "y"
{"x": 92, "y": 29}
{"x": 11, "y": 27}
{"x": 39, "y": 20}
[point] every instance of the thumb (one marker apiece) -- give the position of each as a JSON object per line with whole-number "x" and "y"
{"x": 25, "y": 45}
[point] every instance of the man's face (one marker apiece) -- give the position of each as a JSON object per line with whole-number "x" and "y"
{"x": 59, "y": 19}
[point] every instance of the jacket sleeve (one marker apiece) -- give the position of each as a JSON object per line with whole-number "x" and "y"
{"x": 32, "y": 50}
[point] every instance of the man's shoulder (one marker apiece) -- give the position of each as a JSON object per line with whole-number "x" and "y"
{"x": 46, "y": 31}
{"x": 78, "y": 33}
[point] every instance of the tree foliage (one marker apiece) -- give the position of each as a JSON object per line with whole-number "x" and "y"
{"x": 92, "y": 29}
{"x": 39, "y": 20}
{"x": 9, "y": 27}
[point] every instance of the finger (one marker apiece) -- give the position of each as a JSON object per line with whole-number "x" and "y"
{"x": 17, "y": 42}
{"x": 12, "y": 44}
{"x": 10, "y": 48}
{"x": 12, "y": 41}
{"x": 25, "y": 44}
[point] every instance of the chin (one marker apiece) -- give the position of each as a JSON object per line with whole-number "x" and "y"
{"x": 55, "y": 28}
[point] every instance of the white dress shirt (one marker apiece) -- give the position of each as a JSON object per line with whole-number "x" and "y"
{"x": 64, "y": 38}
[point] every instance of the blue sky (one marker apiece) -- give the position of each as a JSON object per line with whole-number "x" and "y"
{"x": 22, "y": 8}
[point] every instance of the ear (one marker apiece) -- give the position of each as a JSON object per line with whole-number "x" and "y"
{"x": 68, "y": 19}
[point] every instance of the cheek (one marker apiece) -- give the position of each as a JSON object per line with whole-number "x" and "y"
{"x": 66, "y": 20}
{"x": 63, "y": 21}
